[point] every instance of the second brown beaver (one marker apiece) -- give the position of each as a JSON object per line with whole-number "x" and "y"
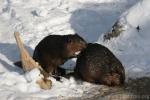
{"x": 97, "y": 64}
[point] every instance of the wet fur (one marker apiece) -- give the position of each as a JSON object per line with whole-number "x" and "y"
{"x": 97, "y": 64}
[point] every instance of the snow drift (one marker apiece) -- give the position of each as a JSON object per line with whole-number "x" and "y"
{"x": 132, "y": 45}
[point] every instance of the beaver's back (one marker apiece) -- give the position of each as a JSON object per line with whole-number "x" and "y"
{"x": 98, "y": 64}
{"x": 51, "y": 45}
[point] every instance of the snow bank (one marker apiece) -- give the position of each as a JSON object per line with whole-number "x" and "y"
{"x": 133, "y": 45}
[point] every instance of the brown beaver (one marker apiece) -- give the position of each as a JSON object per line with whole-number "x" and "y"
{"x": 54, "y": 50}
{"x": 97, "y": 64}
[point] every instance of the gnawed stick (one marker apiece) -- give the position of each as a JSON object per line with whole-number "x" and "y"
{"x": 28, "y": 64}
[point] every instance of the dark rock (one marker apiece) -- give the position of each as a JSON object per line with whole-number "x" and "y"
{"x": 117, "y": 28}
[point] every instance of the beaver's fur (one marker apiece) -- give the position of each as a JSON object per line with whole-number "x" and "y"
{"x": 54, "y": 50}
{"x": 97, "y": 64}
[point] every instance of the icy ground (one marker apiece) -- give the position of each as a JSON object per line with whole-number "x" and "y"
{"x": 91, "y": 19}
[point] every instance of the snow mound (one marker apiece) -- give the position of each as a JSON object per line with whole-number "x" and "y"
{"x": 132, "y": 46}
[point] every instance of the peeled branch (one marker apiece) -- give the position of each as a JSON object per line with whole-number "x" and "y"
{"x": 29, "y": 64}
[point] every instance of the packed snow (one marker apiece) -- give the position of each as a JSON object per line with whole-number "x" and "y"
{"x": 91, "y": 19}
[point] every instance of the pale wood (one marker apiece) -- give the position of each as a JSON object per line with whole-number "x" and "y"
{"x": 44, "y": 84}
{"x": 28, "y": 64}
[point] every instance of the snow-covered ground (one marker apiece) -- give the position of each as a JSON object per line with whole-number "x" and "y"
{"x": 91, "y": 19}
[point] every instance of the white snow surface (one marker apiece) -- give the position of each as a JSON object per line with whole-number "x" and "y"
{"x": 132, "y": 46}
{"x": 35, "y": 19}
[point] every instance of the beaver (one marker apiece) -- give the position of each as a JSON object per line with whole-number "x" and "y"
{"x": 97, "y": 64}
{"x": 55, "y": 50}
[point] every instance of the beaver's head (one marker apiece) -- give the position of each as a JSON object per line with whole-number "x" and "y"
{"x": 74, "y": 44}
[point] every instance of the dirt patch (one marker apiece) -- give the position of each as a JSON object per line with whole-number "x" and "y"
{"x": 117, "y": 28}
{"x": 135, "y": 89}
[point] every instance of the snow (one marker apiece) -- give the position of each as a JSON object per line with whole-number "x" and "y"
{"x": 132, "y": 46}
{"x": 33, "y": 75}
{"x": 35, "y": 19}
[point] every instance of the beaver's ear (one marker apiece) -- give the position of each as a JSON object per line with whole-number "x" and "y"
{"x": 76, "y": 34}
